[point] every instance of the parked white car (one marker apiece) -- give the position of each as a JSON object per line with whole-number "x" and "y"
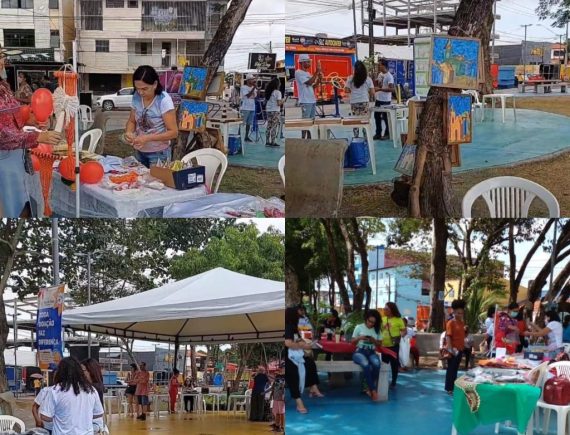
{"x": 120, "y": 100}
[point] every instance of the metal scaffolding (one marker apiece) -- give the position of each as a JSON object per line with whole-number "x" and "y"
{"x": 416, "y": 17}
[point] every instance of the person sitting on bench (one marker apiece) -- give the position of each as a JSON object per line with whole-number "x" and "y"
{"x": 366, "y": 337}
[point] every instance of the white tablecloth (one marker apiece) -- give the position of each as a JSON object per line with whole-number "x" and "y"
{"x": 99, "y": 202}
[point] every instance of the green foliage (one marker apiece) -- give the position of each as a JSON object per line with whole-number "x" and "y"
{"x": 477, "y": 301}
{"x": 239, "y": 248}
{"x": 352, "y": 320}
{"x": 556, "y": 10}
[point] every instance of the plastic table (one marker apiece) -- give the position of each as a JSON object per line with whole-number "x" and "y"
{"x": 503, "y": 98}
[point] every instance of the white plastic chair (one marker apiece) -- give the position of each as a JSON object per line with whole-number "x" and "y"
{"x": 85, "y": 115}
{"x": 402, "y": 120}
{"x": 509, "y": 197}
{"x": 94, "y": 136}
{"x": 562, "y": 368}
{"x": 281, "y": 167}
{"x": 212, "y": 159}
{"x": 476, "y": 103}
{"x": 9, "y": 422}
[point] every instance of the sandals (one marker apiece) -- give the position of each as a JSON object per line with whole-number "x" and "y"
{"x": 302, "y": 410}
{"x": 319, "y": 394}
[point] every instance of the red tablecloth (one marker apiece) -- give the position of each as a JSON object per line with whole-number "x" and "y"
{"x": 347, "y": 347}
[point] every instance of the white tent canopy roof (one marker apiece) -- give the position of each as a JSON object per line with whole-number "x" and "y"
{"x": 218, "y": 306}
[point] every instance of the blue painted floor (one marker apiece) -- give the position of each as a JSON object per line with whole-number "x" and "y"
{"x": 257, "y": 155}
{"x": 535, "y": 134}
{"x": 418, "y": 406}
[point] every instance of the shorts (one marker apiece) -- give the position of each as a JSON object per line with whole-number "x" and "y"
{"x": 142, "y": 400}
{"x": 131, "y": 389}
{"x": 308, "y": 110}
{"x": 247, "y": 116}
{"x": 149, "y": 159}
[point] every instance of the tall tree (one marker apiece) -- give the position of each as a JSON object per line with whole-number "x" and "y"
{"x": 431, "y": 194}
{"x": 438, "y": 268}
{"x": 556, "y": 10}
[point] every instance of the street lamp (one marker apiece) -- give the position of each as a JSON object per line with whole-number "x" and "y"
{"x": 89, "y": 256}
{"x": 524, "y": 51}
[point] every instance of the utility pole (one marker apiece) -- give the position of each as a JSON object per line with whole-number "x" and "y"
{"x": 55, "y": 249}
{"x": 493, "y": 38}
{"x": 377, "y": 272}
{"x": 566, "y": 47}
{"x": 371, "y": 18}
{"x": 354, "y": 19}
{"x": 526, "y": 26}
{"x": 553, "y": 255}
{"x": 89, "y": 300}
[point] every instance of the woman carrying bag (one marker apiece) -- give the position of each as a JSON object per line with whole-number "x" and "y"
{"x": 393, "y": 329}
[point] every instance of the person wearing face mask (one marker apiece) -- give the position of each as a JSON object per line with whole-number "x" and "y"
{"x": 14, "y": 197}
{"x": 511, "y": 326}
{"x": 552, "y": 330}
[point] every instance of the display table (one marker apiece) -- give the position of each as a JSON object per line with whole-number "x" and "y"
{"x": 392, "y": 110}
{"x": 196, "y": 399}
{"x": 498, "y": 403}
{"x": 503, "y": 99}
{"x": 108, "y": 400}
{"x": 99, "y": 202}
{"x": 157, "y": 399}
{"x": 302, "y": 125}
{"x": 216, "y": 401}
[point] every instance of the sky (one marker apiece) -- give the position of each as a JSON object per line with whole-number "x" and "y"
{"x": 334, "y": 18}
{"x": 264, "y": 22}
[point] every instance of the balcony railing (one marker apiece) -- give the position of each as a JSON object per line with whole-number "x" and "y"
{"x": 157, "y": 61}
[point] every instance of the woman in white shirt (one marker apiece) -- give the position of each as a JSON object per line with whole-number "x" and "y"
{"x": 73, "y": 405}
{"x": 361, "y": 89}
{"x": 552, "y": 330}
{"x": 273, "y": 109}
{"x": 366, "y": 337}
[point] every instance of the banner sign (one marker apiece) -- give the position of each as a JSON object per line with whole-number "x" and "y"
{"x": 262, "y": 61}
{"x": 48, "y": 327}
{"x": 316, "y": 44}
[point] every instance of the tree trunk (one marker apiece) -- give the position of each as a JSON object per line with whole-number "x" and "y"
{"x": 438, "y": 267}
{"x": 513, "y": 288}
{"x": 128, "y": 346}
{"x": 361, "y": 245}
{"x": 557, "y": 284}
{"x": 193, "y": 369}
{"x": 293, "y": 294}
{"x": 244, "y": 351}
{"x": 335, "y": 266}
{"x": 214, "y": 55}
{"x": 357, "y": 293}
{"x": 431, "y": 194}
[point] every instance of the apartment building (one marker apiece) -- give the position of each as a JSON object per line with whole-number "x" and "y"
{"x": 116, "y": 36}
{"x": 42, "y": 29}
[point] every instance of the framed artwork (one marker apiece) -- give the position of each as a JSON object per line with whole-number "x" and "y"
{"x": 193, "y": 84}
{"x": 422, "y": 53}
{"x": 192, "y": 116}
{"x": 216, "y": 88}
{"x": 455, "y": 62}
{"x": 414, "y": 110}
{"x": 406, "y": 161}
{"x": 458, "y": 119}
{"x": 455, "y": 151}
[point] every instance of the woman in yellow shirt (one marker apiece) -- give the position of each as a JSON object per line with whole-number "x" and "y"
{"x": 393, "y": 329}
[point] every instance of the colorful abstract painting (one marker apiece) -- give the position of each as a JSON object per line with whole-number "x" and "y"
{"x": 455, "y": 62}
{"x": 192, "y": 116}
{"x": 193, "y": 84}
{"x": 407, "y": 160}
{"x": 459, "y": 119}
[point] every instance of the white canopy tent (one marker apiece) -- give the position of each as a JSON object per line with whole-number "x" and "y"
{"x": 218, "y": 306}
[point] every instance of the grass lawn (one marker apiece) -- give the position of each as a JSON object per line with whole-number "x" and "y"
{"x": 551, "y": 172}
{"x": 265, "y": 183}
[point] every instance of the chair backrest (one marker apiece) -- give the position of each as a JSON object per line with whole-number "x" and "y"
{"x": 9, "y": 422}
{"x": 94, "y": 136}
{"x": 509, "y": 197}
{"x": 212, "y": 159}
{"x": 318, "y": 192}
{"x": 473, "y": 93}
{"x": 85, "y": 113}
{"x": 402, "y": 113}
{"x": 281, "y": 167}
{"x": 561, "y": 367}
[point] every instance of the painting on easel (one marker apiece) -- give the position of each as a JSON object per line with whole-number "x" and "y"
{"x": 193, "y": 84}
{"x": 192, "y": 116}
{"x": 458, "y": 119}
{"x": 455, "y": 62}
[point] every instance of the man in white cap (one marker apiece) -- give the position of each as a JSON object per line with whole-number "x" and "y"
{"x": 248, "y": 94}
{"x": 305, "y": 84}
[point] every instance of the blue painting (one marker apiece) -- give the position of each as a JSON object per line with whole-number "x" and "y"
{"x": 459, "y": 119}
{"x": 193, "y": 84}
{"x": 192, "y": 116}
{"x": 455, "y": 62}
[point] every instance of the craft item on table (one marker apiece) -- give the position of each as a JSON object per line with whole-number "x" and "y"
{"x": 67, "y": 100}
{"x": 42, "y": 106}
{"x": 131, "y": 177}
{"x": 458, "y": 119}
{"x": 192, "y": 116}
{"x": 454, "y": 62}
{"x": 46, "y": 159}
{"x": 470, "y": 391}
{"x": 67, "y": 168}
{"x": 66, "y": 106}
{"x": 112, "y": 163}
{"x": 193, "y": 83}
{"x": 406, "y": 161}
{"x": 91, "y": 173}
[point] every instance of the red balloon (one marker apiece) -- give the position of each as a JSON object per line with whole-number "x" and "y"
{"x": 67, "y": 168}
{"x": 24, "y": 113}
{"x": 35, "y": 163}
{"x": 44, "y": 148}
{"x": 91, "y": 172}
{"x": 42, "y": 104}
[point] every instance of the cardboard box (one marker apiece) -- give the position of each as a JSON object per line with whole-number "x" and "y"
{"x": 180, "y": 180}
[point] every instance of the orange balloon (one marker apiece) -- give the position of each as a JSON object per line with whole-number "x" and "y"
{"x": 67, "y": 168}
{"x": 42, "y": 104}
{"x": 44, "y": 148}
{"x": 91, "y": 172}
{"x": 35, "y": 163}
{"x": 24, "y": 113}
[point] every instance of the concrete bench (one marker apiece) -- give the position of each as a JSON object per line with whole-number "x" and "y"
{"x": 335, "y": 368}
